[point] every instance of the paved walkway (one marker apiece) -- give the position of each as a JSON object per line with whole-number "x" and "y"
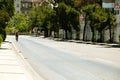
{"x": 11, "y": 67}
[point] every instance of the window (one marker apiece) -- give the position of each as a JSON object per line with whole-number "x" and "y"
{"x": 17, "y": 11}
{"x": 117, "y": 12}
{"x": 17, "y": 5}
{"x": 23, "y": 5}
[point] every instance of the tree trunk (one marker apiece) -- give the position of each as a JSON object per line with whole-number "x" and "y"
{"x": 46, "y": 33}
{"x": 84, "y": 31}
{"x": 110, "y": 30}
{"x": 66, "y": 34}
{"x": 101, "y": 35}
{"x": 70, "y": 37}
{"x": 100, "y": 39}
{"x": 77, "y": 35}
{"x": 93, "y": 34}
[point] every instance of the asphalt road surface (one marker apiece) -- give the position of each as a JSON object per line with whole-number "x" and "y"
{"x": 56, "y": 60}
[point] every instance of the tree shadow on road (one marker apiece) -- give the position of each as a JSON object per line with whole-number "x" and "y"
{"x": 105, "y": 45}
{"x": 116, "y": 46}
{"x": 111, "y": 46}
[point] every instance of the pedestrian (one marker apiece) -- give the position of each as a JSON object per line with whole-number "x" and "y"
{"x": 17, "y": 35}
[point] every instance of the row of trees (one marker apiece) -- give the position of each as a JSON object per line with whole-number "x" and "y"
{"x": 100, "y": 19}
{"x": 49, "y": 19}
{"x": 65, "y": 16}
{"x": 6, "y": 11}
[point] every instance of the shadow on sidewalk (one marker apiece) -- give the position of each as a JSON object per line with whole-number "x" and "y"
{"x": 3, "y": 48}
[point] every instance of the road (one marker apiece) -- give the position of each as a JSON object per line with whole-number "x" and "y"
{"x": 56, "y": 60}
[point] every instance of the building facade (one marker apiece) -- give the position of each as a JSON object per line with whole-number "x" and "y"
{"x": 17, "y": 4}
{"x": 25, "y": 5}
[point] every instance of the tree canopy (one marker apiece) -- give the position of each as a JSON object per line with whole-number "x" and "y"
{"x": 6, "y": 11}
{"x": 19, "y": 22}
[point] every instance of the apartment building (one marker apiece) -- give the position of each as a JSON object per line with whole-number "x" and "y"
{"x": 17, "y": 4}
{"x": 25, "y": 5}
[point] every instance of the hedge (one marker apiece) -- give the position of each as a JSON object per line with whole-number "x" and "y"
{"x": 3, "y": 33}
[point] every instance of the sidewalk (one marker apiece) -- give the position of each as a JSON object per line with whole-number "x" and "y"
{"x": 10, "y": 66}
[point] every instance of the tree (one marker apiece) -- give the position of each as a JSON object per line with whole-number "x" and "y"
{"x": 111, "y": 23}
{"x": 73, "y": 21}
{"x": 48, "y": 20}
{"x": 19, "y": 21}
{"x": 67, "y": 2}
{"x": 6, "y": 11}
{"x": 63, "y": 18}
{"x": 32, "y": 19}
{"x": 42, "y": 17}
{"x": 87, "y": 11}
{"x": 99, "y": 20}
{"x": 4, "y": 18}
{"x": 101, "y": 17}
{"x": 80, "y": 3}
{"x": 68, "y": 18}
{"x": 8, "y": 6}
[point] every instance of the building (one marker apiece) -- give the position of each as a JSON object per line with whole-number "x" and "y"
{"x": 17, "y": 4}
{"x": 25, "y": 5}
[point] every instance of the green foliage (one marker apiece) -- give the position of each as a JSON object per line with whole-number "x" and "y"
{"x": 9, "y": 30}
{"x": 32, "y": 19}
{"x": 68, "y": 2}
{"x": 6, "y": 11}
{"x": 3, "y": 33}
{"x": 99, "y": 18}
{"x": 68, "y": 17}
{"x": 19, "y": 22}
{"x": 46, "y": 18}
{"x": 1, "y": 40}
{"x": 73, "y": 18}
{"x": 4, "y": 18}
{"x": 48, "y": 14}
{"x": 8, "y": 6}
{"x": 112, "y": 19}
{"x": 41, "y": 17}
{"x": 62, "y": 15}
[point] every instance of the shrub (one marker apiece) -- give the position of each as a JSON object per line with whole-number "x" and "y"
{"x": 1, "y": 40}
{"x": 10, "y": 30}
{"x": 3, "y": 33}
